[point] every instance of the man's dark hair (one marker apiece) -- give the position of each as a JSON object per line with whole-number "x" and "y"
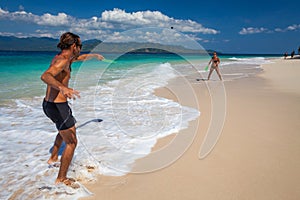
{"x": 66, "y": 40}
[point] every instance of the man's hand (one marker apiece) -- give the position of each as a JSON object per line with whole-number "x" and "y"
{"x": 100, "y": 57}
{"x": 69, "y": 92}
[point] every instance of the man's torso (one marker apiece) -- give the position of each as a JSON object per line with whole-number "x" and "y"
{"x": 52, "y": 94}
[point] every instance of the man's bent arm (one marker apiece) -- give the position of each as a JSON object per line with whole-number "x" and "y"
{"x": 49, "y": 75}
{"x": 48, "y": 78}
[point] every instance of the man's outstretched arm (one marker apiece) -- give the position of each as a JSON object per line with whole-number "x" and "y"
{"x": 84, "y": 57}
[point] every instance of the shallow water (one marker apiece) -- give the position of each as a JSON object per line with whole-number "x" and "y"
{"x": 120, "y": 94}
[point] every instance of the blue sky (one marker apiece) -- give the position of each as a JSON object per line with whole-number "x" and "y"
{"x": 229, "y": 27}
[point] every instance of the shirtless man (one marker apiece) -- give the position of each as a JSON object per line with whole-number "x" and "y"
{"x": 55, "y": 103}
{"x": 215, "y": 66}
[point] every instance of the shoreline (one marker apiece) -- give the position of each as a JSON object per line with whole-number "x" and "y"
{"x": 254, "y": 158}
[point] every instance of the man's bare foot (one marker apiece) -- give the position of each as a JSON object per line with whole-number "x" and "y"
{"x": 68, "y": 182}
{"x": 51, "y": 161}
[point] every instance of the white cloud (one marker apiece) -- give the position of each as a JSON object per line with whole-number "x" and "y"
{"x": 293, "y": 27}
{"x": 61, "y": 19}
{"x": 122, "y": 20}
{"x": 155, "y": 35}
{"x": 3, "y": 12}
{"x": 109, "y": 22}
{"x": 251, "y": 30}
{"x": 17, "y": 16}
{"x": 44, "y": 33}
{"x": 278, "y": 30}
{"x": 35, "y": 34}
{"x": 118, "y": 16}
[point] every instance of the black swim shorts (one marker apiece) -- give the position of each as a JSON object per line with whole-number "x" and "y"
{"x": 60, "y": 114}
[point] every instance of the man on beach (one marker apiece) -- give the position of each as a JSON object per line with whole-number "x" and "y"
{"x": 55, "y": 103}
{"x": 214, "y": 66}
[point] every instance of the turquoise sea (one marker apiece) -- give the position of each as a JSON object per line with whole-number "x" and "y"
{"x": 119, "y": 93}
{"x": 20, "y": 71}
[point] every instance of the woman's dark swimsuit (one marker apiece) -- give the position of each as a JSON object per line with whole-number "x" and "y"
{"x": 60, "y": 114}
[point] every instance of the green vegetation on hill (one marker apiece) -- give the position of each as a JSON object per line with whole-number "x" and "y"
{"x": 49, "y": 44}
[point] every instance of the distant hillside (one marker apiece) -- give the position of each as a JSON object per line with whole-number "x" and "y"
{"x": 136, "y": 47}
{"x": 49, "y": 44}
{"x": 27, "y": 44}
{"x": 37, "y": 44}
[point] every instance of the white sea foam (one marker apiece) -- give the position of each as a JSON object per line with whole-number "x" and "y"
{"x": 246, "y": 61}
{"x": 133, "y": 120}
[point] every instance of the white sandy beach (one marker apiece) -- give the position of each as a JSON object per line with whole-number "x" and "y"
{"x": 256, "y": 156}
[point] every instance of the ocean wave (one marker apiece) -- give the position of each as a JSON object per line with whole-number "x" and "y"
{"x": 132, "y": 120}
{"x": 246, "y": 61}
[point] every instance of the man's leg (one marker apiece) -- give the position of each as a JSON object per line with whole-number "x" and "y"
{"x": 69, "y": 137}
{"x": 54, "y": 155}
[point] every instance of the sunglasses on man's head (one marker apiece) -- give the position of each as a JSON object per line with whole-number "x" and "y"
{"x": 79, "y": 45}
